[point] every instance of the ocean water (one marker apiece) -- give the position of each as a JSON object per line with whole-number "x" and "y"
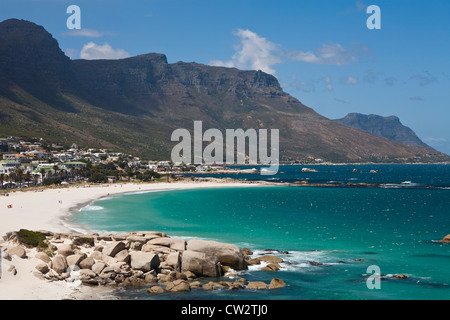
{"x": 345, "y": 230}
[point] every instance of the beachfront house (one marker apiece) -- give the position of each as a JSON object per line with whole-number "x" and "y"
{"x": 7, "y": 166}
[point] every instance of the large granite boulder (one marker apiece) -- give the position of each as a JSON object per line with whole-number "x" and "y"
{"x": 113, "y": 248}
{"x": 144, "y": 261}
{"x": 59, "y": 264}
{"x": 17, "y": 251}
{"x": 227, "y": 254}
{"x": 172, "y": 243}
{"x": 201, "y": 264}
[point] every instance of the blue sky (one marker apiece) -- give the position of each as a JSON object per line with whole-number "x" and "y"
{"x": 320, "y": 50}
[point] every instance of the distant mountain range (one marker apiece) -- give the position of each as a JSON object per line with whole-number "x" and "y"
{"x": 134, "y": 104}
{"x": 387, "y": 127}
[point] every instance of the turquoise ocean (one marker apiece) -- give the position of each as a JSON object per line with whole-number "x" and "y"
{"x": 327, "y": 236}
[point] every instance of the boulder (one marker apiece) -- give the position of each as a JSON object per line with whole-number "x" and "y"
{"x": 65, "y": 250}
{"x": 123, "y": 256}
{"x": 42, "y": 268}
{"x": 59, "y": 264}
{"x": 136, "y": 238}
{"x": 108, "y": 260}
{"x": 195, "y": 284}
{"x": 227, "y": 254}
{"x": 446, "y": 239}
{"x": 13, "y": 270}
{"x": 271, "y": 267}
{"x": 104, "y": 237}
{"x": 18, "y": 251}
{"x": 246, "y": 252}
{"x": 144, "y": 261}
{"x": 178, "y": 286}
{"x": 74, "y": 260}
{"x": 155, "y": 290}
{"x": 87, "y": 275}
{"x": 189, "y": 275}
{"x": 134, "y": 281}
{"x": 97, "y": 255}
{"x": 148, "y": 247}
{"x": 87, "y": 263}
{"x": 120, "y": 236}
{"x": 269, "y": 259}
{"x": 257, "y": 285}
{"x": 172, "y": 243}
{"x": 98, "y": 267}
{"x": 201, "y": 264}
{"x": 276, "y": 283}
{"x": 150, "y": 278}
{"x": 113, "y": 248}
{"x": 209, "y": 286}
{"x": 174, "y": 260}
{"x": 43, "y": 256}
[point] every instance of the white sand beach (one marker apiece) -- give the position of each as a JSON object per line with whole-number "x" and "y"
{"x": 45, "y": 210}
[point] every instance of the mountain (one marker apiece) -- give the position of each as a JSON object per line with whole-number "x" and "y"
{"x": 135, "y": 104}
{"x": 387, "y": 127}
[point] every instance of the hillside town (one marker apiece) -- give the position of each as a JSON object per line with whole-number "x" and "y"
{"x": 26, "y": 162}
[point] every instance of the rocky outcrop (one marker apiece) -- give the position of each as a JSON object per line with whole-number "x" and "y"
{"x": 387, "y": 127}
{"x": 140, "y": 259}
{"x": 446, "y": 239}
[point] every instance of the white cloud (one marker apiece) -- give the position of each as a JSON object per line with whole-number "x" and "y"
{"x": 257, "y": 53}
{"x": 328, "y": 83}
{"x": 350, "y": 80}
{"x": 84, "y": 33}
{"x": 93, "y": 51}
{"x": 254, "y": 52}
{"x": 71, "y": 53}
{"x": 334, "y": 54}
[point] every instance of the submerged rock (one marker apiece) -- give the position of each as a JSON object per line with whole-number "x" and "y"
{"x": 276, "y": 283}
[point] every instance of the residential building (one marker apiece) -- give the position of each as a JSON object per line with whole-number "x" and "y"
{"x": 7, "y": 166}
{"x": 73, "y": 165}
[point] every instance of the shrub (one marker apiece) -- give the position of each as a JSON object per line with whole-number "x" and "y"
{"x": 32, "y": 238}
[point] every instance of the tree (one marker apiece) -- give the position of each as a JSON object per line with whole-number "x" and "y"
{"x": 56, "y": 168}
{"x": 19, "y": 175}
{"x": 2, "y": 178}
{"x": 35, "y": 178}
{"x": 43, "y": 173}
{"x": 27, "y": 177}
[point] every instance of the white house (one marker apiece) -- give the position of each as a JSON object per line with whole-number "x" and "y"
{"x": 8, "y": 166}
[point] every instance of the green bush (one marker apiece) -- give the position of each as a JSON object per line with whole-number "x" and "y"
{"x": 32, "y": 238}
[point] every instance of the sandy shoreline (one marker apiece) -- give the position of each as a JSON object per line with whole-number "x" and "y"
{"x": 46, "y": 210}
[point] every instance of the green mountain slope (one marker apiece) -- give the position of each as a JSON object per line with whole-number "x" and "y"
{"x": 134, "y": 104}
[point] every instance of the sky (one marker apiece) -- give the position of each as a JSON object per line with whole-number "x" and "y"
{"x": 321, "y": 51}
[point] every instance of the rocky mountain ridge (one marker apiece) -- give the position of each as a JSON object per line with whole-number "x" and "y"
{"x": 134, "y": 104}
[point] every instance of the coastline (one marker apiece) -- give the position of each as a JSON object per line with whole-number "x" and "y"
{"x": 48, "y": 210}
